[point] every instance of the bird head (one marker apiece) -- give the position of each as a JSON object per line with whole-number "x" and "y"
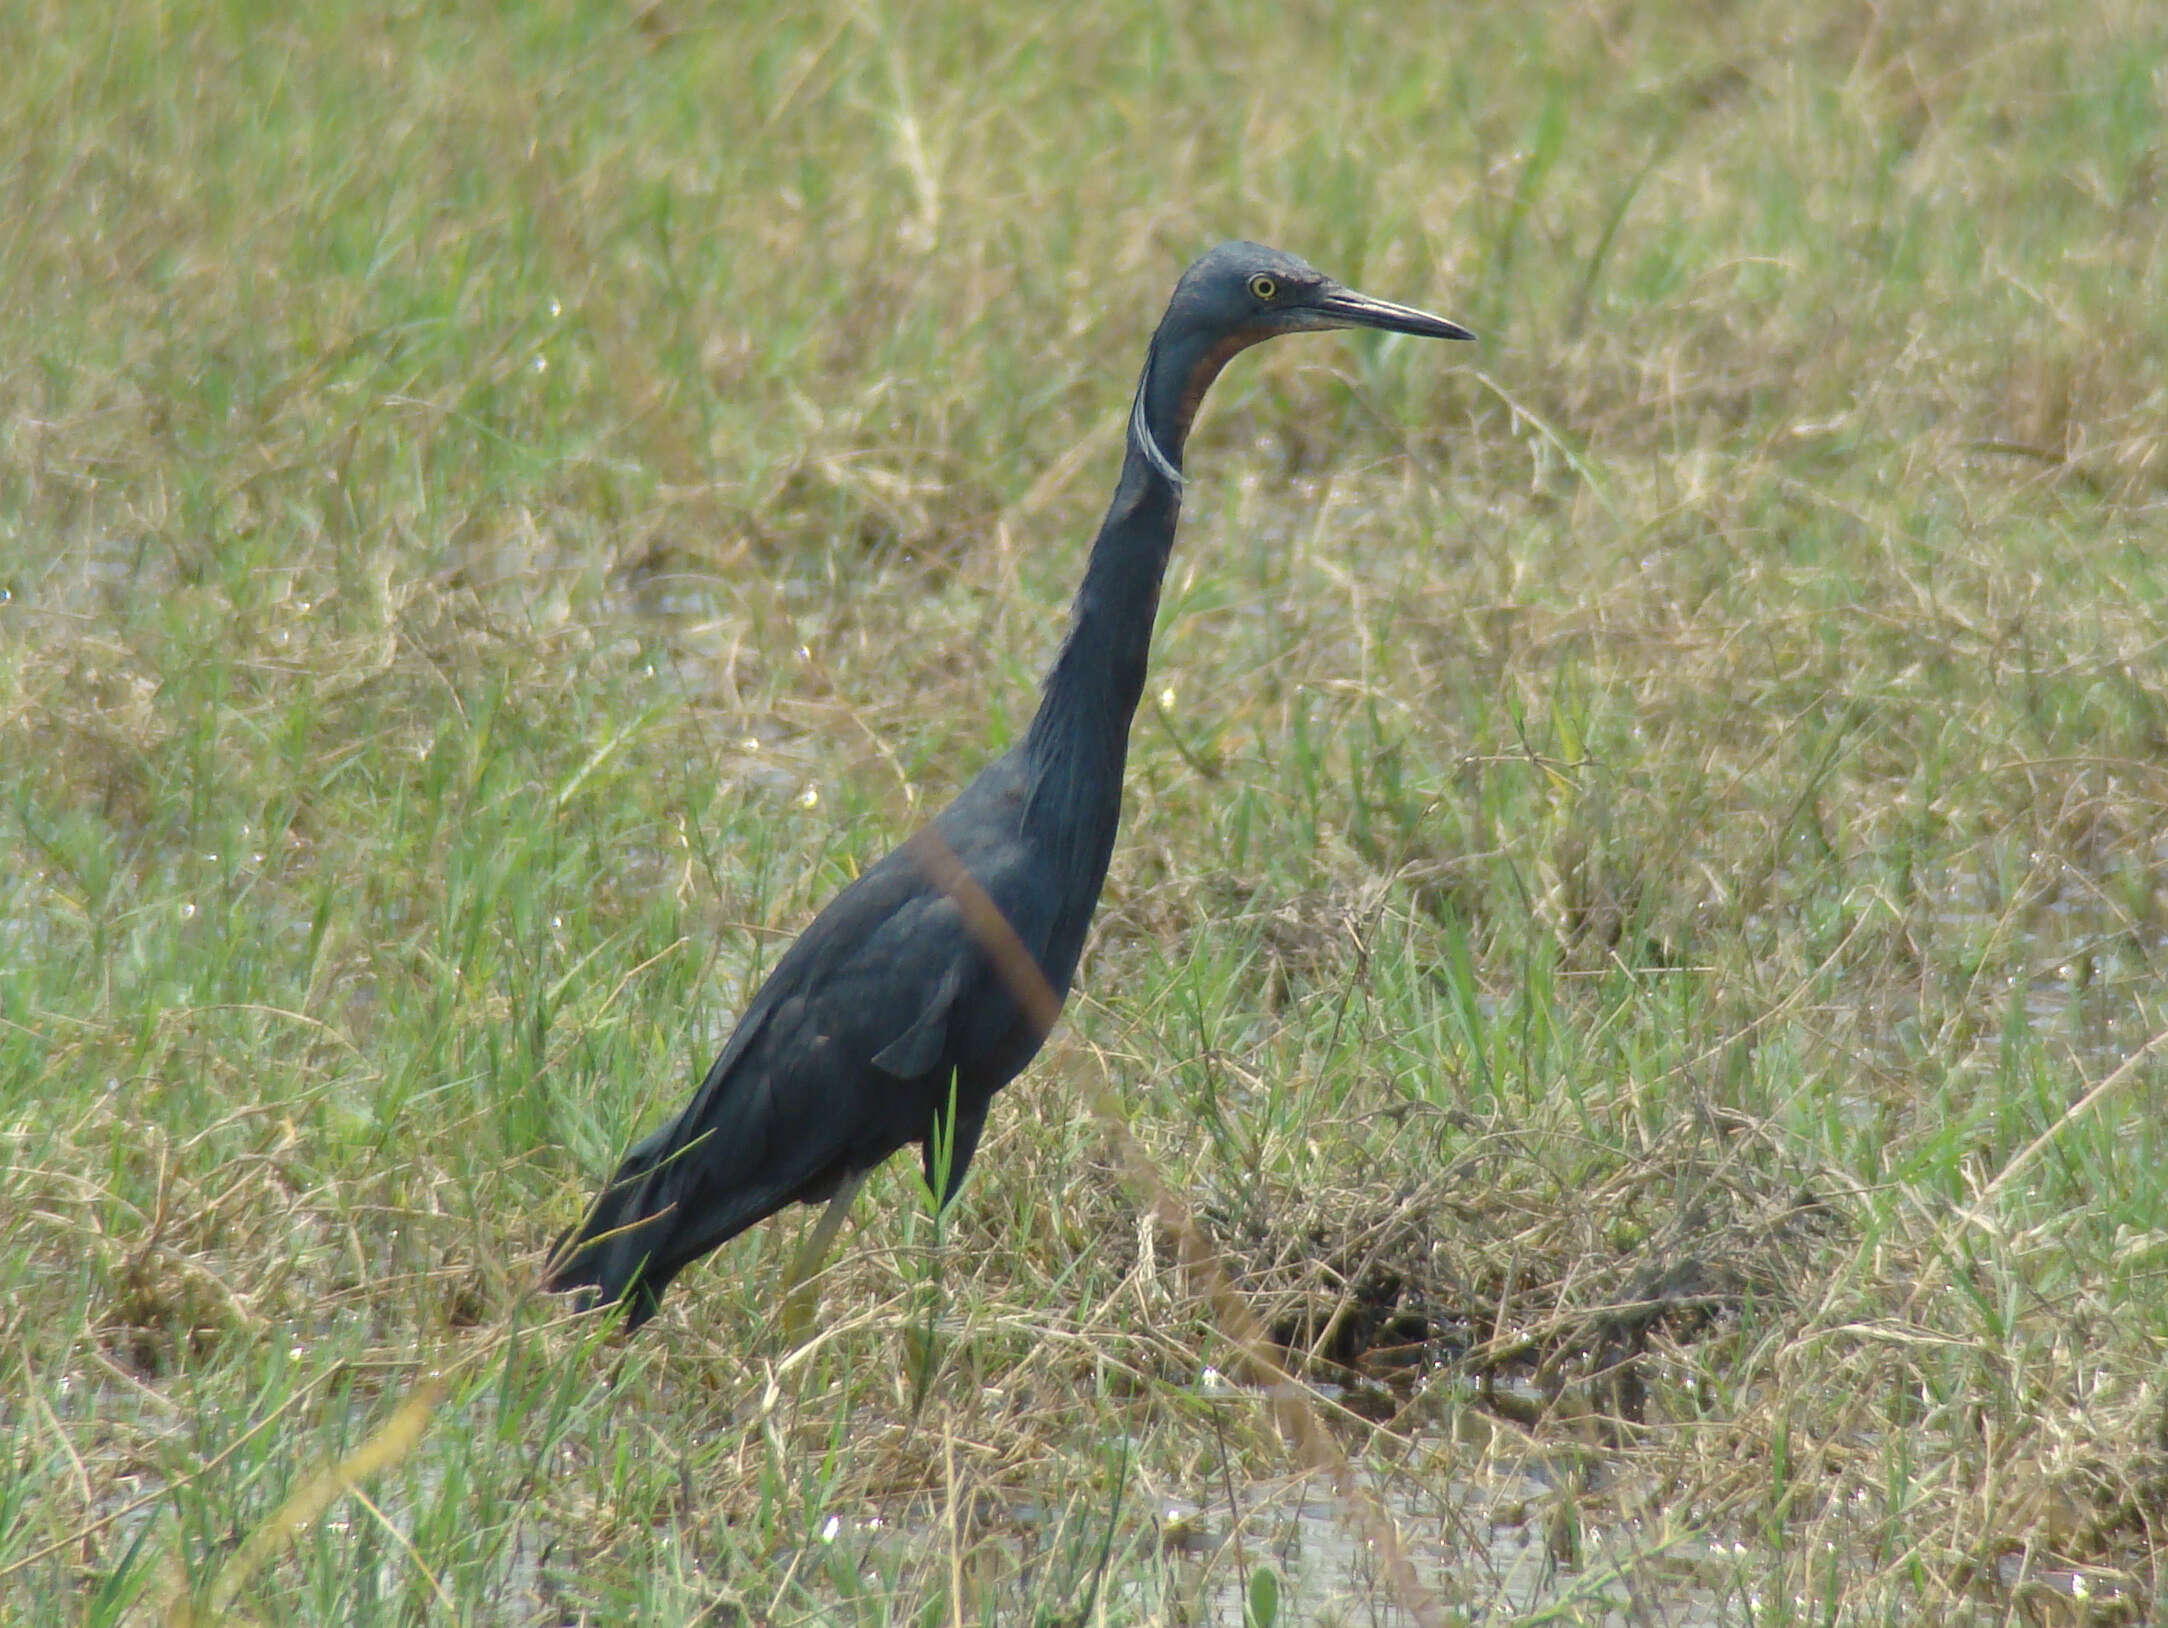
{"x": 1247, "y": 292}
{"x": 1236, "y": 296}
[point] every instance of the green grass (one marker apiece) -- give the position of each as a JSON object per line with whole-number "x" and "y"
{"x": 502, "y": 512}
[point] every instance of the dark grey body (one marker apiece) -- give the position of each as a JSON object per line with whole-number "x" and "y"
{"x": 849, "y": 1050}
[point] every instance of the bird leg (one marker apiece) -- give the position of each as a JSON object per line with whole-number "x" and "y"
{"x": 800, "y": 1294}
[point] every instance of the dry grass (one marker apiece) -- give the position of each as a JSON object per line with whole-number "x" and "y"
{"x": 1641, "y": 917}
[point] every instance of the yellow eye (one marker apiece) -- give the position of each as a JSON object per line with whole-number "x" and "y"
{"x": 1263, "y": 287}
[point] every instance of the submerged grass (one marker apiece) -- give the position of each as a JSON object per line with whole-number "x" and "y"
{"x": 1644, "y": 895}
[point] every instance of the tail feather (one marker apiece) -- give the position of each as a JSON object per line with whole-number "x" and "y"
{"x": 743, "y": 1148}
{"x": 672, "y": 1200}
{"x": 612, "y": 1257}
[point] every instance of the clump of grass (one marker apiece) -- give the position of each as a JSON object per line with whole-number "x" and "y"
{"x": 1647, "y": 840}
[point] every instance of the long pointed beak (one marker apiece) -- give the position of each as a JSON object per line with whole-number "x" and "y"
{"x": 1344, "y": 308}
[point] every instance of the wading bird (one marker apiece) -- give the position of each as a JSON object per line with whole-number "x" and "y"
{"x": 906, "y": 1005}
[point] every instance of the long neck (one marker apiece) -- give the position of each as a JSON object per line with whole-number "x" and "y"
{"x": 1080, "y": 735}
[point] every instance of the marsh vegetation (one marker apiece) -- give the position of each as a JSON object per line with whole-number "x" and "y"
{"x": 1640, "y": 922}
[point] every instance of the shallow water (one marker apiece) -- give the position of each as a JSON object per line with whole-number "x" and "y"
{"x": 1491, "y": 1526}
